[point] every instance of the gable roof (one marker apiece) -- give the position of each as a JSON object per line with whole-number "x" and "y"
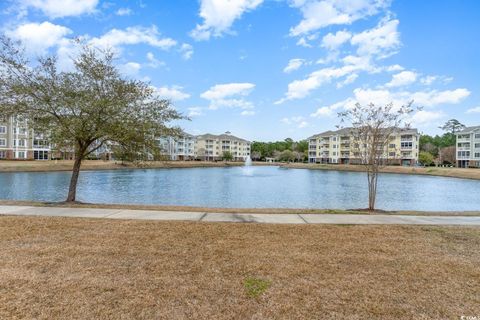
{"x": 469, "y": 130}
{"x": 348, "y": 130}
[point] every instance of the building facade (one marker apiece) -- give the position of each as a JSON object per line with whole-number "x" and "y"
{"x": 19, "y": 142}
{"x": 468, "y": 147}
{"x": 178, "y": 148}
{"x": 210, "y": 147}
{"x": 339, "y": 147}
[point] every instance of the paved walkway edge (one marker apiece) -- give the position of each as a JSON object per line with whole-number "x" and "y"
{"x": 354, "y": 219}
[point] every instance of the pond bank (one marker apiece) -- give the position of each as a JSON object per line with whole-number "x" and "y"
{"x": 87, "y": 165}
{"x": 464, "y": 173}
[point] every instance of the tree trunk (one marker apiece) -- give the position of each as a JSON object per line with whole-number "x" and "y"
{"x": 372, "y": 189}
{"x": 72, "y": 191}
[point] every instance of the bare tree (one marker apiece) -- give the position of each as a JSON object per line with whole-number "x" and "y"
{"x": 447, "y": 155}
{"x": 85, "y": 108}
{"x": 256, "y": 155}
{"x": 372, "y": 128}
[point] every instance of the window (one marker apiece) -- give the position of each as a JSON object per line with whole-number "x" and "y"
{"x": 391, "y": 154}
{"x": 463, "y": 154}
{"x": 3, "y": 129}
{"x": 477, "y": 154}
{"x": 477, "y": 135}
{"x": 3, "y": 154}
{"x": 477, "y": 145}
{"x": 3, "y": 142}
{"x": 406, "y": 145}
{"x": 20, "y": 155}
{"x": 40, "y": 155}
{"x": 19, "y": 142}
{"x": 391, "y": 145}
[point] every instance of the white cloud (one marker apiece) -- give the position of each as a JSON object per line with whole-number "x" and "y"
{"x": 61, "y": 8}
{"x": 394, "y": 67}
{"x": 328, "y": 111}
{"x": 173, "y": 93}
{"x": 421, "y": 98}
{"x": 303, "y": 42}
{"x": 130, "y": 68}
{"x": 301, "y": 88}
{"x": 474, "y": 110}
{"x": 318, "y": 14}
{"x": 123, "y": 12}
{"x": 293, "y": 65}
{"x": 435, "y": 97}
{"x": 303, "y": 124}
{"x": 133, "y": 35}
{"x": 38, "y": 37}
{"x": 222, "y": 91}
{"x": 348, "y": 80}
{"x": 154, "y": 62}
{"x": 229, "y": 95}
{"x": 334, "y": 41}
{"x": 186, "y": 50}
{"x": 381, "y": 41}
{"x": 428, "y": 80}
{"x": 219, "y": 15}
{"x": 424, "y": 117}
{"x": 194, "y": 112}
{"x": 298, "y": 121}
{"x": 230, "y": 103}
{"x": 403, "y": 78}
{"x": 247, "y": 113}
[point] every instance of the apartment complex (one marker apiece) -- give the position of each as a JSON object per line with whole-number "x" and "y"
{"x": 18, "y": 141}
{"x": 468, "y": 147}
{"x": 211, "y": 147}
{"x": 339, "y": 147}
{"x": 178, "y": 148}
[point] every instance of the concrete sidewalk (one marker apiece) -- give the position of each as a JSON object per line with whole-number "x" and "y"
{"x": 239, "y": 217}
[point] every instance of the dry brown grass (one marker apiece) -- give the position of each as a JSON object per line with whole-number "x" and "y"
{"x": 466, "y": 173}
{"x": 54, "y": 268}
{"x": 67, "y": 165}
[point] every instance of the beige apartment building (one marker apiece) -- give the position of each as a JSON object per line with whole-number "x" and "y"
{"x": 468, "y": 147}
{"x": 338, "y": 147}
{"x": 19, "y": 142}
{"x": 211, "y": 147}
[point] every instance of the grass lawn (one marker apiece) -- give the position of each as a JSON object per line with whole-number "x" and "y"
{"x": 54, "y": 268}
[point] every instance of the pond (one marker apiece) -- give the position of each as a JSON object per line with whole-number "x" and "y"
{"x": 247, "y": 187}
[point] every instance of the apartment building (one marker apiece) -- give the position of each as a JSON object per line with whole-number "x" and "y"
{"x": 178, "y": 148}
{"x": 339, "y": 147}
{"x": 468, "y": 147}
{"x": 211, "y": 147}
{"x": 19, "y": 142}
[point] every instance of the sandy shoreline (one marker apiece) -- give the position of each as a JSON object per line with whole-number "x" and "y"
{"x": 88, "y": 165}
{"x": 463, "y": 173}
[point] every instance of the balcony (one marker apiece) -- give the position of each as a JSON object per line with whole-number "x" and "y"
{"x": 463, "y": 139}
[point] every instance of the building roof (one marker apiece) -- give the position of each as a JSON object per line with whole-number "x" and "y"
{"x": 223, "y": 136}
{"x": 348, "y": 130}
{"x": 468, "y": 130}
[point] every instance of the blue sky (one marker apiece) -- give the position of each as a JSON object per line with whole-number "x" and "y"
{"x": 272, "y": 69}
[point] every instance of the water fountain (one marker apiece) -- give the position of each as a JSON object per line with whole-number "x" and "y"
{"x": 247, "y": 168}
